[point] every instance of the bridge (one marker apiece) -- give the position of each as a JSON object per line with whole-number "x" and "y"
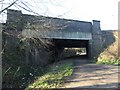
{"x": 64, "y": 33}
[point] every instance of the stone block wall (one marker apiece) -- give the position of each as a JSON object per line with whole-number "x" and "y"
{"x": 110, "y": 45}
{"x": 96, "y": 42}
{"x": 14, "y": 20}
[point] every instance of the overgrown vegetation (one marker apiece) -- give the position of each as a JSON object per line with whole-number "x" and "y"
{"x": 109, "y": 62}
{"x": 54, "y": 77}
{"x": 19, "y": 75}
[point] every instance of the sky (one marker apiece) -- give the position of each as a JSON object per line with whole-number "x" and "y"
{"x": 84, "y": 10}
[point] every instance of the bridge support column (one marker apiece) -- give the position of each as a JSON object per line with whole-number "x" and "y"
{"x": 60, "y": 50}
{"x": 37, "y": 56}
{"x": 27, "y": 56}
{"x": 90, "y": 49}
{"x": 96, "y": 39}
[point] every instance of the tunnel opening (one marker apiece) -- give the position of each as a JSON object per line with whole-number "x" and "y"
{"x": 73, "y": 48}
{"x": 75, "y": 52}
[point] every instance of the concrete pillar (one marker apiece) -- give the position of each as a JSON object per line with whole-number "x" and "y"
{"x": 37, "y": 56}
{"x": 26, "y": 56}
{"x": 96, "y": 39}
{"x": 90, "y": 49}
{"x": 14, "y": 19}
{"x": 60, "y": 51}
{"x": 96, "y": 26}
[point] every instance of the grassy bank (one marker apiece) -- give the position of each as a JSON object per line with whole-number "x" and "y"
{"x": 54, "y": 77}
{"x": 20, "y": 76}
{"x": 26, "y": 76}
{"x": 108, "y": 62}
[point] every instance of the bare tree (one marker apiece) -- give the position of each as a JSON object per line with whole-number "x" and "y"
{"x": 8, "y": 6}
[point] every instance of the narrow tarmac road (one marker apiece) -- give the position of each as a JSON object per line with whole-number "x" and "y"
{"x": 89, "y": 75}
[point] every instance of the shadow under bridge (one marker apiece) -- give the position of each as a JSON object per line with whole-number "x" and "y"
{"x": 72, "y": 48}
{"x": 71, "y": 44}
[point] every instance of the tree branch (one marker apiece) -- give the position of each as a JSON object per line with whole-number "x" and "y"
{"x": 8, "y": 6}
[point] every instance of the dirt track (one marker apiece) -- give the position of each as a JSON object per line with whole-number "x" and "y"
{"x": 89, "y": 75}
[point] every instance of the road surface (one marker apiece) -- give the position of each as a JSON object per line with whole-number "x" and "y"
{"x": 89, "y": 75}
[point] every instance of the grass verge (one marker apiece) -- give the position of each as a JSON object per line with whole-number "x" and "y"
{"x": 109, "y": 62}
{"x": 54, "y": 77}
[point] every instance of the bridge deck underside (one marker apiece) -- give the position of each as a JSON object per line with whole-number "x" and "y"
{"x": 71, "y": 43}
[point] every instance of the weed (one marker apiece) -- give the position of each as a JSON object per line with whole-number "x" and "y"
{"x": 109, "y": 62}
{"x": 54, "y": 77}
